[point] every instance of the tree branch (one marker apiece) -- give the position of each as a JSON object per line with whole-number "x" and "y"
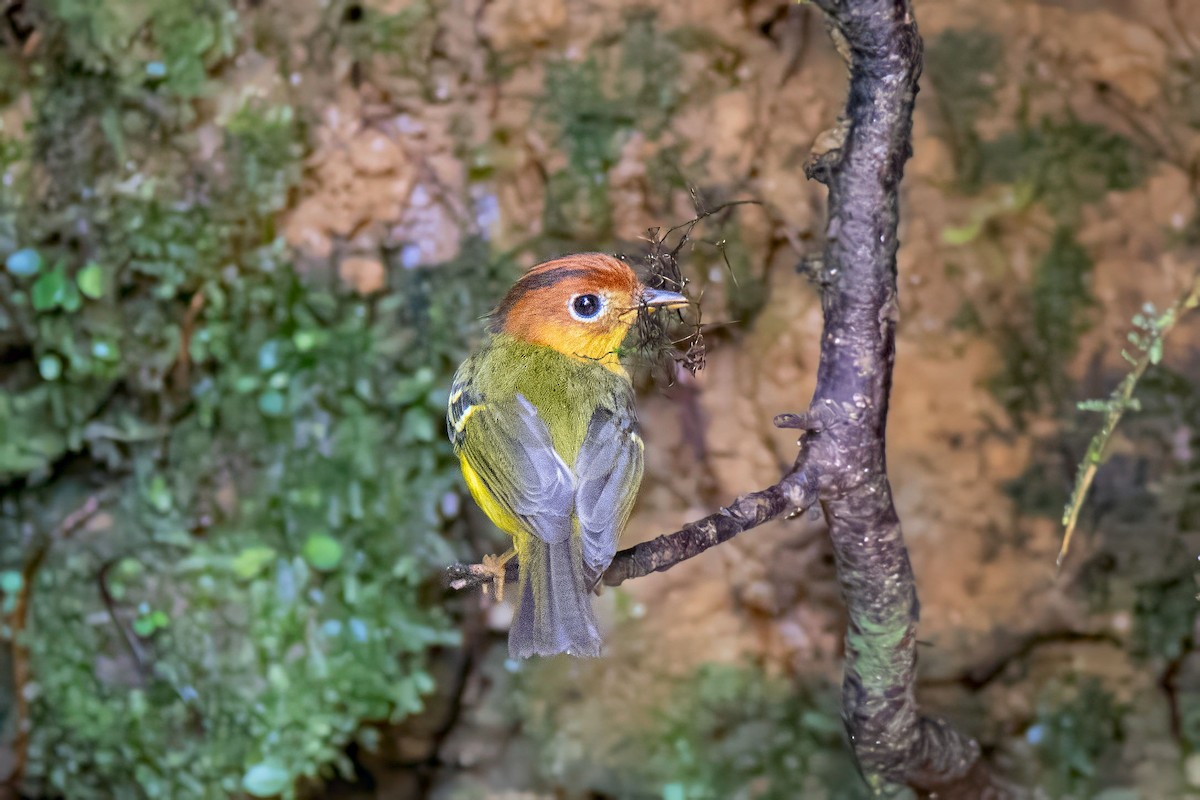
{"x": 895, "y": 746}
{"x": 842, "y": 461}
{"x": 795, "y": 493}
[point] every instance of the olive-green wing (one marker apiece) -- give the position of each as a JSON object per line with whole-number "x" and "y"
{"x": 608, "y": 473}
{"x": 508, "y": 446}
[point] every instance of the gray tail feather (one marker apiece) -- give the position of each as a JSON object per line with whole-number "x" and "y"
{"x": 554, "y": 612}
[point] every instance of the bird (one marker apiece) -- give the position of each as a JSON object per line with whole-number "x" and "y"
{"x": 543, "y": 422}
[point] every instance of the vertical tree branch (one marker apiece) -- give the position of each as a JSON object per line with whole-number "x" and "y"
{"x": 895, "y": 746}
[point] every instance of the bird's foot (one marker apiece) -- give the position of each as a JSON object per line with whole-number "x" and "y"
{"x": 494, "y": 566}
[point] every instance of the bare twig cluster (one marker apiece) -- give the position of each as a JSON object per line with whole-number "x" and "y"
{"x": 653, "y": 336}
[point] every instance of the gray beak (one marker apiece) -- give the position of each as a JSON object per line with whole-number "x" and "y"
{"x": 659, "y": 298}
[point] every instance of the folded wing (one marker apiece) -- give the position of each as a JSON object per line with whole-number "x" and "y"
{"x": 608, "y": 472}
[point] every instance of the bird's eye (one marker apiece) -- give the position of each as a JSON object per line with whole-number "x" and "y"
{"x": 586, "y": 306}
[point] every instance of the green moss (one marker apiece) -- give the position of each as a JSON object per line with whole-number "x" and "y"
{"x": 623, "y": 86}
{"x": 1059, "y": 292}
{"x": 244, "y": 654}
{"x": 733, "y": 732}
{"x": 962, "y": 67}
{"x": 147, "y": 43}
{"x": 1076, "y": 736}
{"x": 266, "y": 445}
{"x": 275, "y": 663}
{"x": 1165, "y": 614}
{"x": 1061, "y": 165}
{"x": 1038, "y": 490}
{"x": 1036, "y": 349}
{"x": 403, "y": 40}
{"x": 719, "y": 732}
{"x": 1064, "y": 164}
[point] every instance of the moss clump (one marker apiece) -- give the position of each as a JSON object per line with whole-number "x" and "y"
{"x": 734, "y": 732}
{"x": 623, "y": 86}
{"x": 1076, "y": 736}
{"x": 1064, "y": 164}
{"x": 1058, "y": 164}
{"x": 1036, "y": 348}
{"x": 266, "y": 446}
{"x": 1165, "y": 615}
{"x": 961, "y": 66}
{"x": 258, "y": 648}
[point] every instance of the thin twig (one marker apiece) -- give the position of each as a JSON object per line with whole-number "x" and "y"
{"x": 1114, "y": 408}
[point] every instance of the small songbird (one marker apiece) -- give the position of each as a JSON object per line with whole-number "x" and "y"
{"x": 542, "y": 419}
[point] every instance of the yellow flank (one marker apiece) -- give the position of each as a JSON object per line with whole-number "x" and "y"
{"x": 495, "y": 510}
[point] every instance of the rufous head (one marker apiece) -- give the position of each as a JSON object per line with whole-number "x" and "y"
{"x": 581, "y": 305}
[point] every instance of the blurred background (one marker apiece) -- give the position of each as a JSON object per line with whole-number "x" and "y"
{"x": 245, "y": 243}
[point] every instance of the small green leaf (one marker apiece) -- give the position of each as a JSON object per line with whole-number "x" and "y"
{"x": 322, "y": 551}
{"x": 964, "y": 234}
{"x": 106, "y": 351}
{"x": 158, "y": 494}
{"x": 91, "y": 281}
{"x": 272, "y": 403}
{"x": 49, "y": 290}
{"x": 11, "y": 581}
{"x": 50, "y": 367}
{"x": 71, "y": 299}
{"x": 24, "y": 263}
{"x": 305, "y": 340}
{"x": 251, "y": 561}
{"x": 269, "y": 356}
{"x": 1156, "y": 351}
{"x": 144, "y": 625}
{"x": 266, "y": 779}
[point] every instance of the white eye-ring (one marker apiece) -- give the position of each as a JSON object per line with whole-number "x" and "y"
{"x": 587, "y": 307}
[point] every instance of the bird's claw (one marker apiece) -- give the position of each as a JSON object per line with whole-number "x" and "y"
{"x": 494, "y": 566}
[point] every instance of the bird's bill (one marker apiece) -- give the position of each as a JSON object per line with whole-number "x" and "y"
{"x": 659, "y": 298}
